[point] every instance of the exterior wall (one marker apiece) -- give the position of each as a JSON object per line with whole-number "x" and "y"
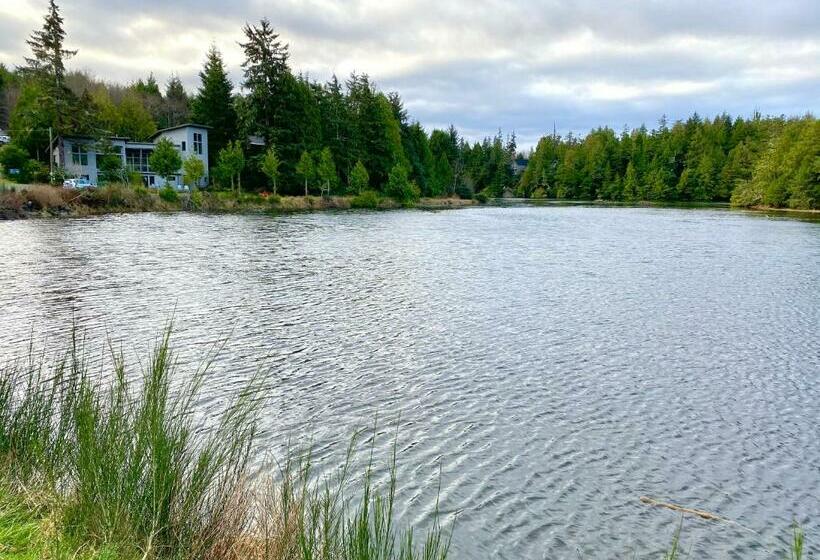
{"x": 72, "y": 169}
{"x": 186, "y": 135}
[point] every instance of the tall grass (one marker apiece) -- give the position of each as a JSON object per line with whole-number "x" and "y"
{"x": 130, "y": 467}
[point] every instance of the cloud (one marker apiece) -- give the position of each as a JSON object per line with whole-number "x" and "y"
{"x": 481, "y": 64}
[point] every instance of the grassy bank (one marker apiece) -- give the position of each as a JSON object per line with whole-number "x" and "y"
{"x": 100, "y": 468}
{"x": 22, "y": 201}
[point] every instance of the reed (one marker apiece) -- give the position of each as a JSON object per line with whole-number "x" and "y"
{"x": 123, "y": 468}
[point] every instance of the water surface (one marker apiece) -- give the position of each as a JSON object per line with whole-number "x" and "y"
{"x": 555, "y": 363}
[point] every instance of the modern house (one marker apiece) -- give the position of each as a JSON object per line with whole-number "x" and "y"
{"x": 78, "y": 154}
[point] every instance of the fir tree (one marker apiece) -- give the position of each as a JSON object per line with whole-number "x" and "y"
{"x": 213, "y": 105}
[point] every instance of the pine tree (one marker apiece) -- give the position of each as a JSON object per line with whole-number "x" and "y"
{"x": 359, "y": 179}
{"x": 47, "y": 52}
{"x": 213, "y": 105}
{"x": 175, "y": 104}
{"x": 47, "y": 66}
{"x": 266, "y": 71}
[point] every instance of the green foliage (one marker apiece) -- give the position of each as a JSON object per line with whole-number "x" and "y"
{"x": 326, "y": 171}
{"x": 122, "y": 473}
{"x": 359, "y": 179}
{"x": 400, "y": 188}
{"x": 165, "y": 160}
{"x": 231, "y": 163}
{"x": 169, "y": 194}
{"x": 193, "y": 170}
{"x": 270, "y": 166}
{"x": 770, "y": 161}
{"x": 366, "y": 199}
{"x": 213, "y": 106}
{"x": 796, "y": 550}
{"x": 306, "y": 169}
{"x": 13, "y": 157}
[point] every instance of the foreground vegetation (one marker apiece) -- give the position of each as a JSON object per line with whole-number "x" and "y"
{"x": 104, "y": 468}
{"x": 119, "y": 467}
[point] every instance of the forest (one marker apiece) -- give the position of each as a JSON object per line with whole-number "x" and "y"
{"x": 283, "y": 130}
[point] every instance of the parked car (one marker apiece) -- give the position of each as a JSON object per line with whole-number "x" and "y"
{"x": 78, "y": 184}
{"x": 5, "y": 139}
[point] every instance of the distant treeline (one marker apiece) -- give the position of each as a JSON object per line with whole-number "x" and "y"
{"x": 758, "y": 161}
{"x": 347, "y": 136}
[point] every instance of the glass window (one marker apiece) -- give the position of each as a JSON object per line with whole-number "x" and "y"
{"x": 79, "y": 154}
{"x": 197, "y": 142}
{"x": 183, "y": 145}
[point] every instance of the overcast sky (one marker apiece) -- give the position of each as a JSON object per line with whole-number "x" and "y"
{"x": 481, "y": 65}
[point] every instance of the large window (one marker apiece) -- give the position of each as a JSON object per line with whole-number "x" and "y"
{"x": 137, "y": 159}
{"x": 79, "y": 154}
{"x": 198, "y": 142}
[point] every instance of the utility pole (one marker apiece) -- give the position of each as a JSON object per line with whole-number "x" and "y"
{"x": 50, "y": 158}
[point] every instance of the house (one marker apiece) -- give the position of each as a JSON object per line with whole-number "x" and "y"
{"x": 78, "y": 155}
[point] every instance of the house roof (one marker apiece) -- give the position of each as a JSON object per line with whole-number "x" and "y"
{"x": 186, "y": 125}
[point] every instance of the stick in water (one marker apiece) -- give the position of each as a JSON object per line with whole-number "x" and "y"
{"x": 700, "y": 513}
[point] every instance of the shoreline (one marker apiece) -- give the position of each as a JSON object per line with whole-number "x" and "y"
{"x": 45, "y": 202}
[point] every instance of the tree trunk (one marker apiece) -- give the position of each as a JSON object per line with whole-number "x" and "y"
{"x": 306, "y": 189}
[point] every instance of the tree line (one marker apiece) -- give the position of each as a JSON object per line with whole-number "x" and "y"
{"x": 283, "y": 131}
{"x": 771, "y": 161}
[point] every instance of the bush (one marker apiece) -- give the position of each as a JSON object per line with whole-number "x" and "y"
{"x": 196, "y": 199}
{"x": 367, "y": 199}
{"x": 400, "y": 188}
{"x": 481, "y": 197}
{"x": 169, "y": 194}
{"x": 274, "y": 200}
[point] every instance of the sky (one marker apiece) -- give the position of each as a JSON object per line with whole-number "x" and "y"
{"x": 480, "y": 65}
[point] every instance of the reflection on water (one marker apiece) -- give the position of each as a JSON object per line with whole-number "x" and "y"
{"x": 556, "y": 363}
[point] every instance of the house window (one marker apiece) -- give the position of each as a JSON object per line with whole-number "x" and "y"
{"x": 137, "y": 159}
{"x": 183, "y": 145}
{"x": 198, "y": 142}
{"x": 79, "y": 154}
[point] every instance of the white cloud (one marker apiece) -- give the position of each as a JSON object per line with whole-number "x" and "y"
{"x": 480, "y": 64}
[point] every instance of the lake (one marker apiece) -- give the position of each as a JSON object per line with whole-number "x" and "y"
{"x": 545, "y": 366}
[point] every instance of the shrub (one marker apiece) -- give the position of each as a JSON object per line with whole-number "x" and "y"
{"x": 482, "y": 197}
{"x": 399, "y": 187}
{"x": 196, "y": 199}
{"x": 367, "y": 199}
{"x": 169, "y": 194}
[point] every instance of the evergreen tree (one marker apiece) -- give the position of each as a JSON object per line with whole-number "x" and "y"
{"x": 266, "y": 73}
{"x": 359, "y": 179}
{"x": 175, "y": 104}
{"x": 56, "y": 104}
{"x": 213, "y": 106}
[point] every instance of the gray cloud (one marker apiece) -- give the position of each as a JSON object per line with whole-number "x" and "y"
{"x": 480, "y": 65}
